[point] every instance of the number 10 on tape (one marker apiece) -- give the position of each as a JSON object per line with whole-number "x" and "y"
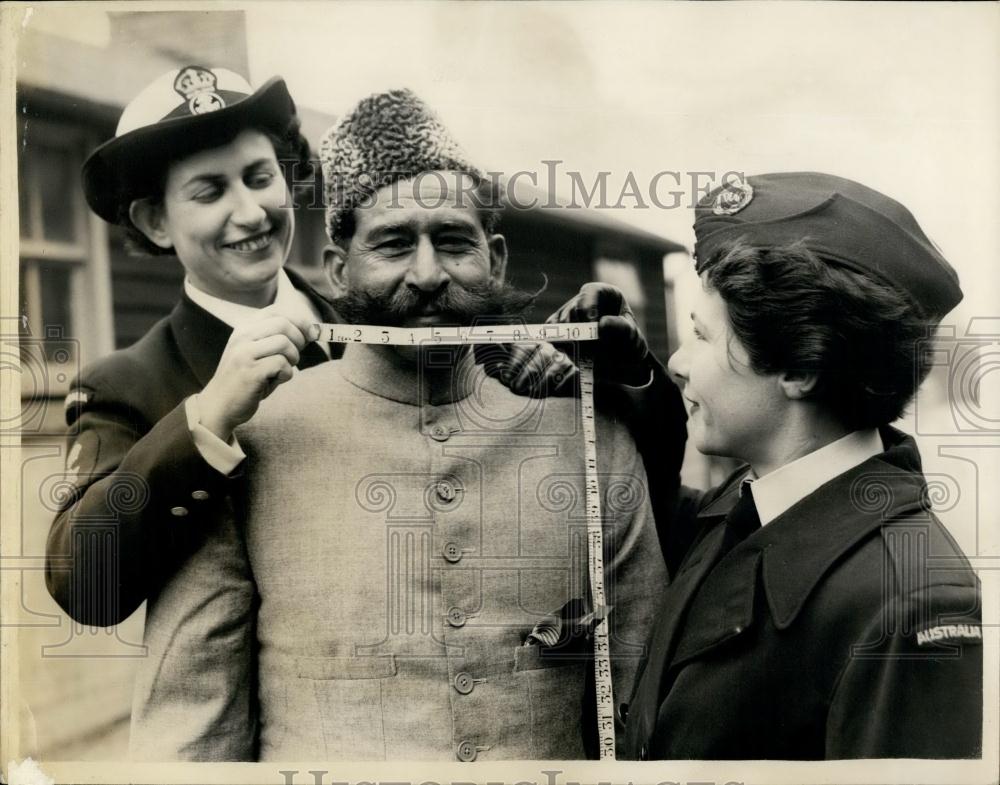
{"x": 532, "y": 333}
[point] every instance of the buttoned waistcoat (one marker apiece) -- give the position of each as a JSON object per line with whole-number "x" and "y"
{"x": 406, "y": 527}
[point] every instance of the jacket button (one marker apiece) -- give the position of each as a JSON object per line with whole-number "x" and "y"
{"x": 644, "y": 752}
{"x": 456, "y": 617}
{"x": 463, "y": 683}
{"x": 199, "y": 496}
{"x": 466, "y": 752}
{"x": 178, "y": 512}
{"x": 452, "y": 552}
{"x": 623, "y": 713}
{"x": 445, "y": 491}
{"x": 440, "y": 434}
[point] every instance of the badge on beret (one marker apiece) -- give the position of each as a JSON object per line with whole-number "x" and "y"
{"x": 732, "y": 198}
{"x": 197, "y": 86}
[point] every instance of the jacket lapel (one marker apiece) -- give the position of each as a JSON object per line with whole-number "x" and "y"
{"x": 201, "y": 338}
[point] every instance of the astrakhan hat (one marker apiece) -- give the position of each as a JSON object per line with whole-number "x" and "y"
{"x": 177, "y": 114}
{"x": 388, "y": 137}
{"x": 843, "y": 222}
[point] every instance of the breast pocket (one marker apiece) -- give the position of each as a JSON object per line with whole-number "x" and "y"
{"x": 555, "y": 688}
{"x": 348, "y": 693}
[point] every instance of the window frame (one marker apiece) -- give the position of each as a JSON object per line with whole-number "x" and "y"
{"x": 87, "y": 258}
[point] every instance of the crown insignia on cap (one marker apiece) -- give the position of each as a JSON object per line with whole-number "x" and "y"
{"x": 733, "y": 197}
{"x": 197, "y": 85}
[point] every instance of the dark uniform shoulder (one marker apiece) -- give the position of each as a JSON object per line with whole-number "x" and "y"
{"x": 150, "y": 376}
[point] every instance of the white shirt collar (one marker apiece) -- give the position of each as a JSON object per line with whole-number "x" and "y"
{"x": 776, "y": 492}
{"x": 288, "y": 300}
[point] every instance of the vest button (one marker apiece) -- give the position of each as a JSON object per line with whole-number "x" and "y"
{"x": 452, "y": 552}
{"x": 466, "y": 752}
{"x": 199, "y": 496}
{"x": 463, "y": 683}
{"x": 456, "y": 617}
{"x": 178, "y": 512}
{"x": 644, "y": 752}
{"x": 623, "y": 713}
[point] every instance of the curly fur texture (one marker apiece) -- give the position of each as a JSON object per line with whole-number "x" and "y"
{"x": 388, "y": 137}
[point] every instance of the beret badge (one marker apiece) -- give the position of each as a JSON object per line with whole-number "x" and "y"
{"x": 198, "y": 87}
{"x": 732, "y": 198}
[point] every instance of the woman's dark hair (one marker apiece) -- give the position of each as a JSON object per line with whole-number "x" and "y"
{"x": 290, "y": 148}
{"x": 796, "y": 313}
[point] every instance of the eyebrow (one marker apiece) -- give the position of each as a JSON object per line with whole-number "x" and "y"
{"x": 446, "y": 225}
{"x": 214, "y": 177}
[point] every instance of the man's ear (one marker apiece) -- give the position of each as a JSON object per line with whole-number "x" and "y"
{"x": 498, "y": 256}
{"x": 149, "y": 219}
{"x": 798, "y": 385}
{"x": 335, "y": 264}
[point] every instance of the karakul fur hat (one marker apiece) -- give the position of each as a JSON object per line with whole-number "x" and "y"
{"x": 388, "y": 137}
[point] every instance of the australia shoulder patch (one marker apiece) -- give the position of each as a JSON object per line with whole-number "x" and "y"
{"x": 950, "y": 633}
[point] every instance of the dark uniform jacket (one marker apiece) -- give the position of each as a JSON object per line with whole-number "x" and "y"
{"x": 141, "y": 495}
{"x": 848, "y": 627}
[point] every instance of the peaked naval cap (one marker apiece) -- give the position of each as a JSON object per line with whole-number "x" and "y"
{"x": 388, "y": 137}
{"x": 177, "y": 114}
{"x": 842, "y": 222}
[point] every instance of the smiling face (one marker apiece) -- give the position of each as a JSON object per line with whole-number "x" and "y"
{"x": 419, "y": 256}
{"x": 734, "y": 411}
{"x": 226, "y": 214}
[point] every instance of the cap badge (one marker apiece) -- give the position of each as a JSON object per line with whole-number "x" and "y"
{"x": 197, "y": 86}
{"x": 733, "y": 197}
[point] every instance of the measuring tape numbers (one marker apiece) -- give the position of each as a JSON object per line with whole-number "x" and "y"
{"x": 457, "y": 336}
{"x": 533, "y": 333}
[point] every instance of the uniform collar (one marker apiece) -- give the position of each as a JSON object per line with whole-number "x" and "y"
{"x": 799, "y": 546}
{"x": 287, "y": 299}
{"x": 776, "y": 492}
{"x": 202, "y": 335}
{"x": 446, "y": 374}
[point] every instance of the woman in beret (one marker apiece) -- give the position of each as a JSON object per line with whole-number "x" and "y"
{"x": 196, "y": 172}
{"x": 817, "y": 608}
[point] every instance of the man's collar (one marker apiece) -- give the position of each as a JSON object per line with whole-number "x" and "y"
{"x": 442, "y": 375}
{"x": 802, "y": 543}
{"x": 776, "y": 492}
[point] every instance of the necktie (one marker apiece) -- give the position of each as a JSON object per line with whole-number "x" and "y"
{"x": 310, "y": 356}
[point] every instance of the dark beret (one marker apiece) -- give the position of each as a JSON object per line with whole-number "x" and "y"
{"x": 842, "y": 222}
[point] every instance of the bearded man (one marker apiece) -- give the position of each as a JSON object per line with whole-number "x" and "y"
{"x": 384, "y": 594}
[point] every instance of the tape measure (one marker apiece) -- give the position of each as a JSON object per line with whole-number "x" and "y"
{"x": 452, "y": 336}
{"x": 533, "y": 333}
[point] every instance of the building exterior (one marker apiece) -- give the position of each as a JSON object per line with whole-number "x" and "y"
{"x": 82, "y": 295}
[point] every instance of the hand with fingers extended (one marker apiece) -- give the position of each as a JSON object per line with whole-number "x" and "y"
{"x": 536, "y": 370}
{"x": 621, "y": 354}
{"x": 260, "y": 355}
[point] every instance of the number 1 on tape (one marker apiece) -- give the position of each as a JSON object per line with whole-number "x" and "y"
{"x": 533, "y": 333}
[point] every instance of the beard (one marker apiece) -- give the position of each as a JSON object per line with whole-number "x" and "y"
{"x": 455, "y": 304}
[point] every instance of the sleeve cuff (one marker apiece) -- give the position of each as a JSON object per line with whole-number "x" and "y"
{"x": 222, "y": 457}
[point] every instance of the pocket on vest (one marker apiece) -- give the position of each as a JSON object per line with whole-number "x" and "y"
{"x": 555, "y": 697}
{"x": 348, "y": 693}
